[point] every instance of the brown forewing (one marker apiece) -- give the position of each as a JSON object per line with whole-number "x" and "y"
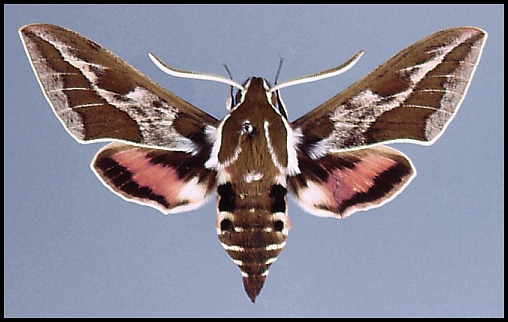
{"x": 97, "y": 95}
{"x": 429, "y": 101}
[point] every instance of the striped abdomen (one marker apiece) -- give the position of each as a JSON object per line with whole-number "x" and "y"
{"x": 252, "y": 225}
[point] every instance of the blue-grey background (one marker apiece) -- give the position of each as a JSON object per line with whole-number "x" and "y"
{"x": 72, "y": 248}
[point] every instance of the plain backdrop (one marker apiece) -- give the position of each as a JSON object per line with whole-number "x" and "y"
{"x": 73, "y": 248}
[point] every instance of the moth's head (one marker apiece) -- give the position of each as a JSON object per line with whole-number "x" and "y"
{"x": 257, "y": 90}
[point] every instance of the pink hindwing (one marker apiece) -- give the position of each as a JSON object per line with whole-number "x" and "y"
{"x": 170, "y": 181}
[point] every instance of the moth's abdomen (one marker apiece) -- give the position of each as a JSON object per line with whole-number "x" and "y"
{"x": 253, "y": 242}
{"x": 252, "y": 227}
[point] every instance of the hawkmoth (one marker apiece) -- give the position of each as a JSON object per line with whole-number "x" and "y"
{"x": 172, "y": 156}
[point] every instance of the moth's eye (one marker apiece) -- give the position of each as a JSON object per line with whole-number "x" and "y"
{"x": 248, "y": 129}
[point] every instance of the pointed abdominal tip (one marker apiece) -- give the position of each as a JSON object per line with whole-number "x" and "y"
{"x": 253, "y": 285}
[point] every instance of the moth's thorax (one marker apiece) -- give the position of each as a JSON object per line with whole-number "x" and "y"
{"x": 255, "y": 135}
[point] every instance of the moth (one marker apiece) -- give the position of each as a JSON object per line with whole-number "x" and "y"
{"x": 168, "y": 154}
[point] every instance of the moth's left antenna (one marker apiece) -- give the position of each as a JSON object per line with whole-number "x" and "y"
{"x": 190, "y": 74}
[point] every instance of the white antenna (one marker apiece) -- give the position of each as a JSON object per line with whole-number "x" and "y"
{"x": 321, "y": 75}
{"x": 190, "y": 74}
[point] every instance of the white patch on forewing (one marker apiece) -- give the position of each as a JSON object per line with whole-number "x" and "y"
{"x": 357, "y": 118}
{"x": 88, "y": 69}
{"x": 365, "y": 98}
{"x": 155, "y": 122}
